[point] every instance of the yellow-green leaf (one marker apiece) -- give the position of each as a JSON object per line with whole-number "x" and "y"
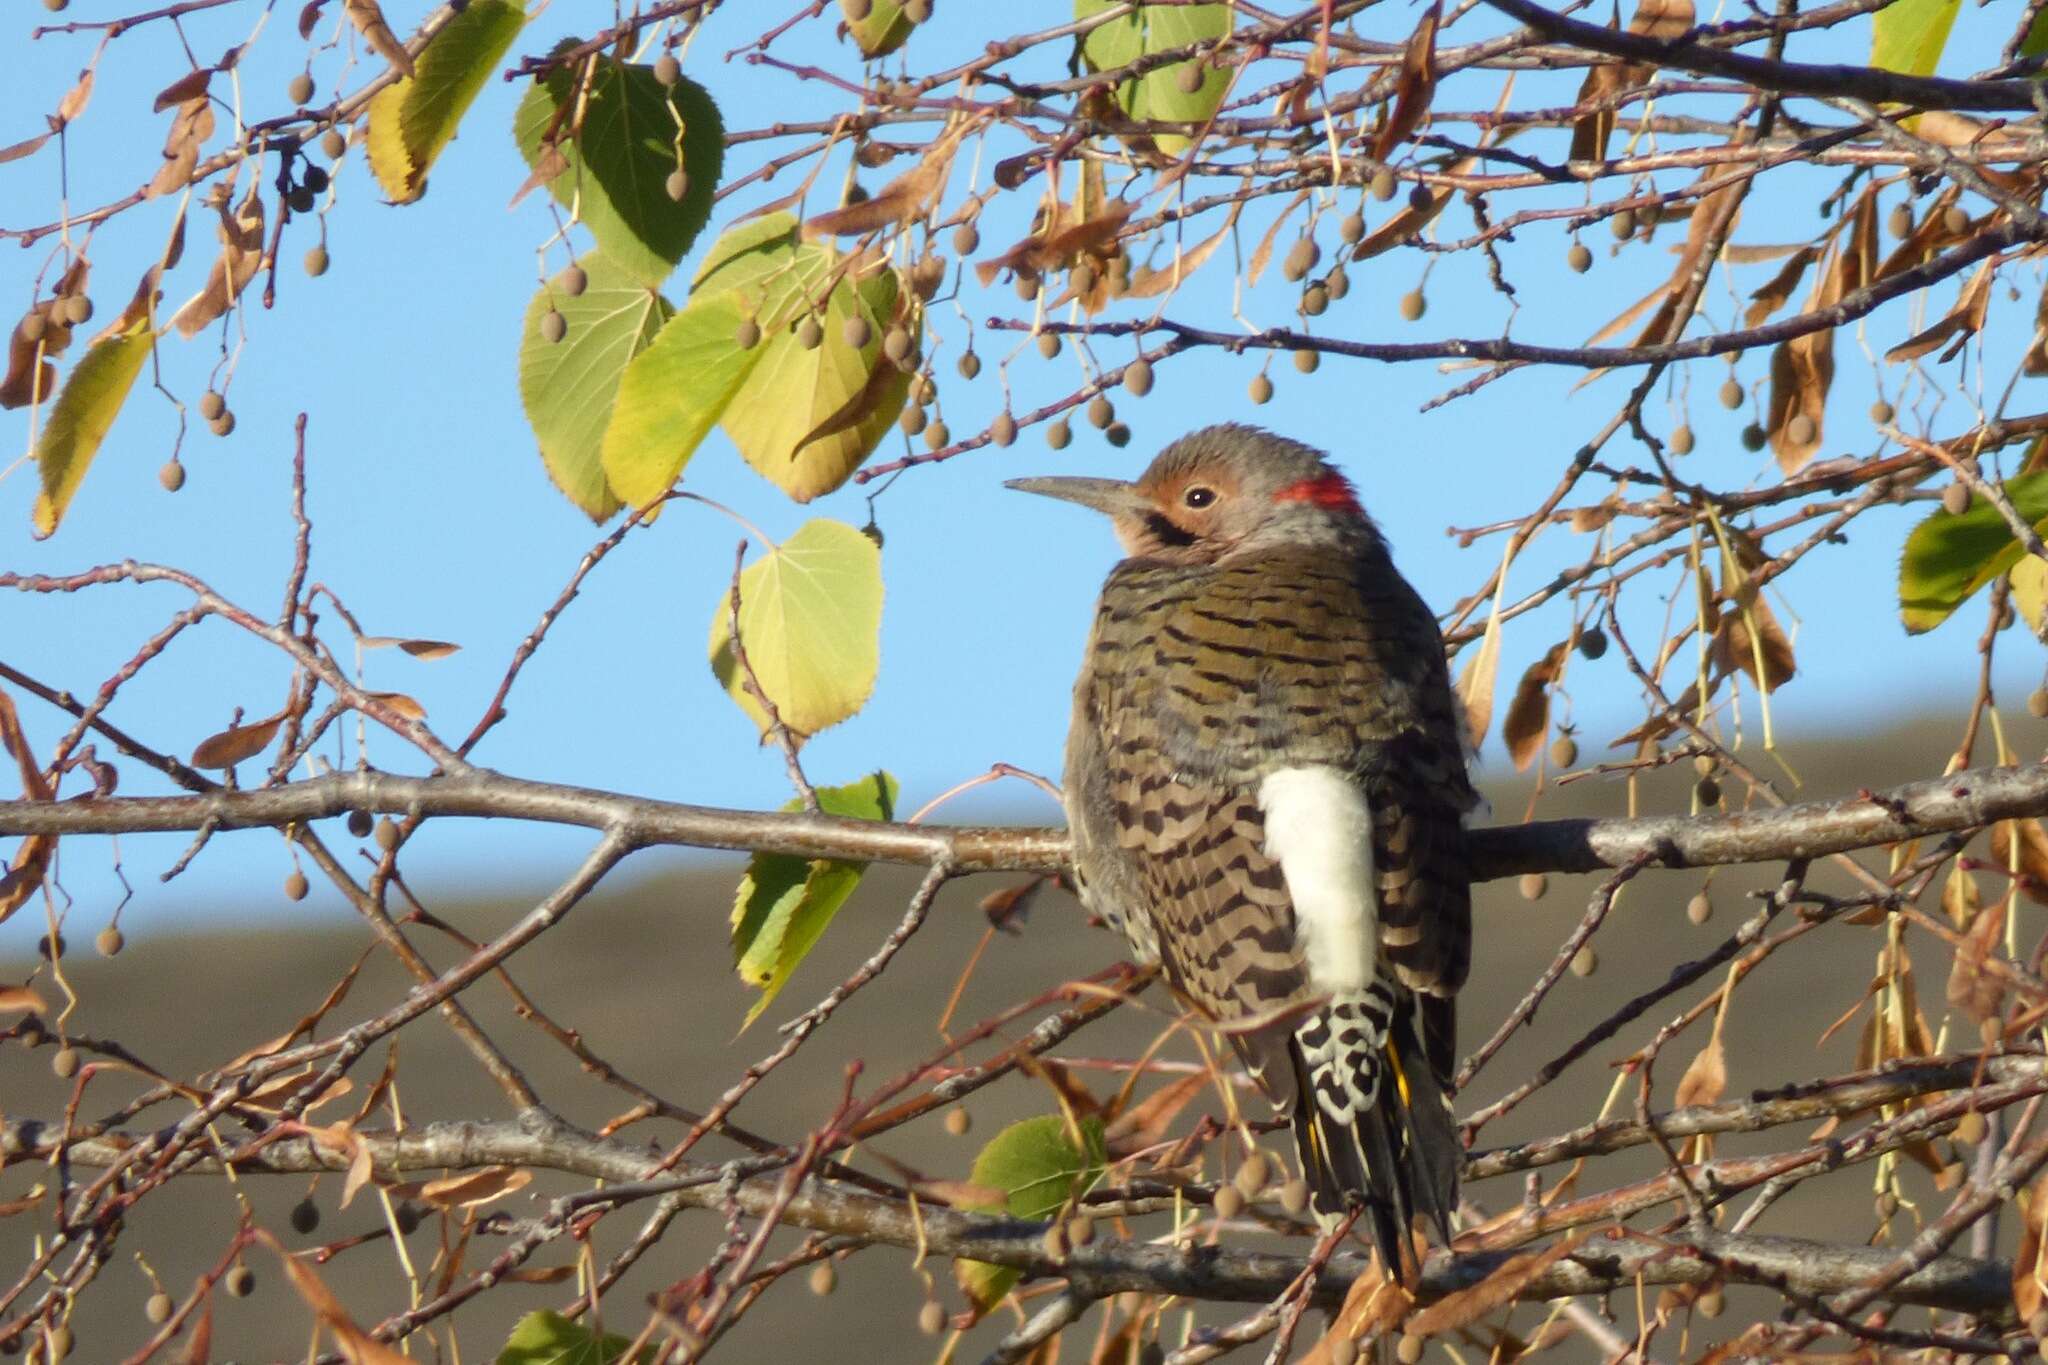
{"x": 84, "y": 412}
{"x": 1948, "y": 558}
{"x": 548, "y": 1338}
{"x": 785, "y": 904}
{"x": 1908, "y": 35}
{"x": 570, "y": 387}
{"x": 2030, "y": 593}
{"x": 1039, "y": 1165}
{"x": 670, "y": 396}
{"x": 1158, "y": 94}
{"x": 414, "y": 118}
{"x": 810, "y": 621}
{"x": 881, "y": 29}
{"x": 624, "y": 139}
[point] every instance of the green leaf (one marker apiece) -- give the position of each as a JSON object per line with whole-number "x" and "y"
{"x": 2036, "y": 41}
{"x": 1908, "y": 35}
{"x": 1039, "y": 1166}
{"x": 881, "y": 30}
{"x": 1948, "y": 558}
{"x": 785, "y": 904}
{"x": 620, "y": 160}
{"x": 84, "y": 411}
{"x": 805, "y": 419}
{"x": 1157, "y": 94}
{"x": 412, "y": 120}
{"x": 569, "y": 386}
{"x": 811, "y": 619}
{"x": 546, "y": 1338}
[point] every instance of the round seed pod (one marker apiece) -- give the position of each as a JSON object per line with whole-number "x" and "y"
{"x": 1341, "y": 1350}
{"x": 966, "y": 239}
{"x": 1731, "y": 393}
{"x": 1138, "y": 378}
{"x": 2037, "y": 703}
{"x": 1533, "y": 886}
{"x": 1228, "y": 1202}
{"x": 1956, "y": 219}
{"x": 1799, "y": 430}
{"x": 296, "y": 886}
{"x": 1681, "y": 440}
{"x": 1351, "y": 228}
{"x": 1622, "y": 225}
{"x": 1003, "y": 431}
{"x": 1049, "y": 344}
{"x": 1579, "y": 258}
{"x": 1881, "y": 413}
{"x": 1408, "y": 1349}
{"x": 1054, "y": 1242}
{"x": 32, "y": 327}
{"x": 305, "y": 1216}
{"x": 969, "y": 365}
{"x": 360, "y": 823}
{"x": 931, "y": 1319}
{"x": 1338, "y": 282}
{"x": 1101, "y": 412}
{"x": 1585, "y": 962}
{"x": 300, "y": 91}
{"x": 110, "y": 942}
{"x": 77, "y": 310}
{"x": 856, "y": 332}
{"x": 316, "y": 178}
{"x": 158, "y": 1308}
{"x": 937, "y": 436}
{"x": 1899, "y": 222}
{"x": 1753, "y": 438}
{"x": 387, "y": 834}
{"x": 1189, "y": 78}
{"x": 667, "y": 69}
{"x": 1383, "y": 183}
{"x": 1117, "y": 435}
{"x": 1301, "y": 258}
{"x": 856, "y": 10}
{"x": 1703, "y": 764}
{"x": 333, "y": 144}
{"x": 1564, "y": 752}
{"x": 823, "y": 1279}
{"x": 172, "y": 475}
{"x": 917, "y": 11}
{"x": 317, "y": 261}
{"x": 809, "y": 334}
{"x": 896, "y": 343}
{"x": 1027, "y": 286}
{"x": 1261, "y": 390}
{"x": 1307, "y": 359}
{"x": 1294, "y": 1196}
{"x": 241, "y": 1282}
{"x": 1707, "y": 792}
{"x": 1315, "y": 300}
{"x": 927, "y": 275}
{"x": 1712, "y": 1304}
{"x": 1700, "y": 908}
{"x": 677, "y": 185}
{"x": 1253, "y": 1175}
{"x": 300, "y": 198}
{"x": 1420, "y": 199}
{"x": 223, "y": 425}
{"x": 54, "y": 949}
{"x": 958, "y": 1121}
{"x": 913, "y": 419}
{"x": 211, "y": 405}
{"x": 409, "y": 1217}
{"x": 1955, "y": 499}
{"x": 1080, "y": 1231}
{"x": 1082, "y": 277}
{"x": 1059, "y": 434}
{"x": 553, "y": 326}
{"x": 64, "y": 1063}
{"x": 1413, "y": 305}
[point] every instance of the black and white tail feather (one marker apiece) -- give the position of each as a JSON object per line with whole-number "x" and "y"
{"x": 1372, "y": 1123}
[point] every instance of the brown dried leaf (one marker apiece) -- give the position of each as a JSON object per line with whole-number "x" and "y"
{"x": 1185, "y": 264}
{"x": 1006, "y": 907}
{"x": 75, "y": 99}
{"x": 1630, "y": 314}
{"x": 32, "y": 859}
{"x": 1409, "y": 221}
{"x": 1262, "y": 255}
{"x": 15, "y": 151}
{"x": 1476, "y": 679}
{"x": 369, "y": 21}
{"x": 1528, "y": 717}
{"x": 473, "y": 1188}
{"x": 1416, "y": 85}
{"x": 1663, "y": 20}
{"x": 190, "y": 86}
{"x": 1145, "y": 1123}
{"x": 1706, "y": 1078}
{"x": 1591, "y": 130}
{"x": 1757, "y": 253}
{"x": 1778, "y": 289}
{"x": 309, "y": 16}
{"x": 549, "y": 164}
{"x": 1959, "y": 896}
{"x": 1972, "y": 988}
{"x": 198, "y": 1348}
{"x": 399, "y": 702}
{"x": 22, "y": 998}
{"x": 276, "y": 1093}
{"x": 2029, "y": 1274}
{"x": 1802, "y": 370}
{"x": 1733, "y": 648}
{"x": 419, "y": 649}
{"x": 548, "y": 1274}
{"x": 236, "y": 743}
{"x": 1456, "y": 1310}
{"x": 1963, "y": 321}
{"x": 2032, "y": 863}
{"x": 902, "y": 200}
{"x": 1058, "y": 247}
{"x": 1929, "y": 237}
{"x": 1373, "y": 1305}
{"x": 241, "y": 234}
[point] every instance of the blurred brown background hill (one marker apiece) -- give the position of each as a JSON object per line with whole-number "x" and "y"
{"x": 644, "y": 972}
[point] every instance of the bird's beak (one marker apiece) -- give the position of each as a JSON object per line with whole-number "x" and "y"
{"x": 1111, "y": 497}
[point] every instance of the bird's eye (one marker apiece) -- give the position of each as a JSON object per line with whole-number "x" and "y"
{"x": 1198, "y": 496}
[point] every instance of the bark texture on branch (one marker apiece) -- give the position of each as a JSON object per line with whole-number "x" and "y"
{"x": 1964, "y": 800}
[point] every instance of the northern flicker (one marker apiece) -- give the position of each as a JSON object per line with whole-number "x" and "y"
{"x": 1266, "y": 786}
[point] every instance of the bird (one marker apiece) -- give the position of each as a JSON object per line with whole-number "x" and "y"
{"x": 1266, "y": 789}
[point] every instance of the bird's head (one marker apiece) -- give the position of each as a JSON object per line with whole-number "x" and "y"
{"x": 1219, "y": 490}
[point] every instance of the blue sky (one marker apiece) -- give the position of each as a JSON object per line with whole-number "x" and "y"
{"x": 433, "y": 516}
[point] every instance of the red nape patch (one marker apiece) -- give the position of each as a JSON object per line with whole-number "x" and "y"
{"x": 1330, "y": 490}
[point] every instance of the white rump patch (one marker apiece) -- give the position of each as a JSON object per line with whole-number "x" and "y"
{"x": 1319, "y": 829}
